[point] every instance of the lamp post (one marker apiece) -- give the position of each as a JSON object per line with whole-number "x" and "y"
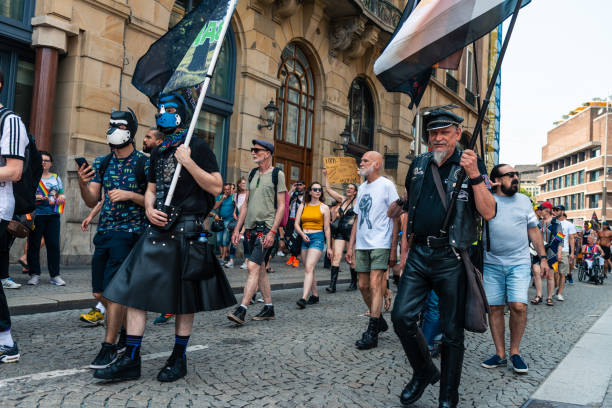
{"x": 345, "y": 137}
{"x": 604, "y": 190}
{"x": 271, "y": 110}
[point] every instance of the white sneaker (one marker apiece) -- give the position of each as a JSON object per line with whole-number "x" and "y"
{"x": 34, "y": 280}
{"x": 9, "y": 283}
{"x": 230, "y": 264}
{"x": 57, "y": 281}
{"x": 560, "y": 298}
{"x": 244, "y": 265}
{"x": 280, "y": 253}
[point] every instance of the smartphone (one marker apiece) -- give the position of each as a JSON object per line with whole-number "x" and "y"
{"x": 80, "y": 161}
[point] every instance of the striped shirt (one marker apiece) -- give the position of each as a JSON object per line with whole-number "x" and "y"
{"x": 13, "y": 142}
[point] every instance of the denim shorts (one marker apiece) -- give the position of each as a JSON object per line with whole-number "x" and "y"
{"x": 224, "y": 237}
{"x": 317, "y": 241}
{"x": 506, "y": 283}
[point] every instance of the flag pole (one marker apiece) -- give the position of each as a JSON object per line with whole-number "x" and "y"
{"x": 203, "y": 90}
{"x": 481, "y": 115}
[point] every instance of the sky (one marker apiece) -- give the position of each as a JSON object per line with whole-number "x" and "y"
{"x": 559, "y": 56}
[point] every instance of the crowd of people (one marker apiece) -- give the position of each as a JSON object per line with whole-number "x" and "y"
{"x": 154, "y": 246}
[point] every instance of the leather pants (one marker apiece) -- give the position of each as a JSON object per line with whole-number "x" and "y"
{"x": 440, "y": 270}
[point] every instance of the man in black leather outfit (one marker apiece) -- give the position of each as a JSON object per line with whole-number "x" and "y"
{"x": 433, "y": 261}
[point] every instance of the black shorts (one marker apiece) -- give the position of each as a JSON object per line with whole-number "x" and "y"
{"x": 343, "y": 234}
{"x": 259, "y": 254}
{"x": 112, "y": 247}
{"x": 606, "y": 250}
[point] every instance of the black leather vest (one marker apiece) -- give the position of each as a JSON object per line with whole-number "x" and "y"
{"x": 463, "y": 231}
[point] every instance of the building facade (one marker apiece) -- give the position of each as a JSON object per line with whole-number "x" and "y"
{"x": 312, "y": 58}
{"x": 528, "y": 174}
{"x": 573, "y": 163}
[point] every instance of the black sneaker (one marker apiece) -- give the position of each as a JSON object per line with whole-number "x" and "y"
{"x": 174, "y": 369}
{"x": 9, "y": 354}
{"x": 301, "y": 303}
{"x": 267, "y": 313}
{"x": 123, "y": 369}
{"x": 106, "y": 356}
{"x": 313, "y": 300}
{"x": 238, "y": 315}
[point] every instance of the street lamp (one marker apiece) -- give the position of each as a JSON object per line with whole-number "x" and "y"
{"x": 604, "y": 190}
{"x": 345, "y": 137}
{"x": 271, "y": 111}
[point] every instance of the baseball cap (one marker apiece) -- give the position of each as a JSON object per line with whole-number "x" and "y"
{"x": 560, "y": 207}
{"x": 546, "y": 204}
{"x": 267, "y": 145}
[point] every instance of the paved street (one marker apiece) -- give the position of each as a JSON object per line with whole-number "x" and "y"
{"x": 303, "y": 358}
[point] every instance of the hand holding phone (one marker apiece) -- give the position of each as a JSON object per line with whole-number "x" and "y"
{"x": 80, "y": 161}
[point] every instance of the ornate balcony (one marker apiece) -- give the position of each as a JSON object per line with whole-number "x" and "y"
{"x": 382, "y": 11}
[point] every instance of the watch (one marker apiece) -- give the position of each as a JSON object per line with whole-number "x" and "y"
{"x": 477, "y": 180}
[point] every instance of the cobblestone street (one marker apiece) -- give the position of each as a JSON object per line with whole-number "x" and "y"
{"x": 301, "y": 359}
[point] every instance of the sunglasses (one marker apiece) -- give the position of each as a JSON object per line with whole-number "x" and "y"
{"x": 46, "y": 161}
{"x": 511, "y": 174}
{"x": 257, "y": 150}
{"x": 316, "y": 189}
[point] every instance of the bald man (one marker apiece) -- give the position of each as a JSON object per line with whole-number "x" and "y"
{"x": 370, "y": 242}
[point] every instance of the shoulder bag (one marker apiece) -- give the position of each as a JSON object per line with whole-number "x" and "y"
{"x": 476, "y": 305}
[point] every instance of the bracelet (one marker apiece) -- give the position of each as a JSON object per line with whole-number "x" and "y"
{"x": 272, "y": 231}
{"x": 399, "y": 202}
{"x": 476, "y": 180}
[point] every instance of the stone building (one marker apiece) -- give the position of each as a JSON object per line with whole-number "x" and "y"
{"x": 71, "y": 61}
{"x": 528, "y": 174}
{"x": 573, "y": 163}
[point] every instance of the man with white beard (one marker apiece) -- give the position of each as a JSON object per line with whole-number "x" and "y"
{"x": 433, "y": 261}
{"x": 370, "y": 242}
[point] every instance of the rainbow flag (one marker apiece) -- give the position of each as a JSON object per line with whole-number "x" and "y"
{"x": 59, "y": 208}
{"x": 559, "y": 237}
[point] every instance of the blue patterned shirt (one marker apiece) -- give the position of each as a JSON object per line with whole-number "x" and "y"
{"x": 121, "y": 174}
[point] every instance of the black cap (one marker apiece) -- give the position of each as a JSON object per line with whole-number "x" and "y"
{"x": 559, "y": 207}
{"x": 439, "y": 119}
{"x": 268, "y": 145}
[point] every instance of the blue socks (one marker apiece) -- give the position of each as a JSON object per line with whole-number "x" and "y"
{"x": 133, "y": 346}
{"x": 180, "y": 345}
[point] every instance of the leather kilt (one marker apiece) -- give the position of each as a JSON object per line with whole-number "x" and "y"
{"x": 150, "y": 278}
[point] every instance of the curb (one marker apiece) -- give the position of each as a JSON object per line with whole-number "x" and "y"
{"x": 48, "y": 305}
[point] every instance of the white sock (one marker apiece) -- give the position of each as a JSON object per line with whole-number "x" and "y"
{"x": 245, "y": 308}
{"x": 101, "y": 308}
{"x": 6, "y": 339}
{"x": 269, "y": 304}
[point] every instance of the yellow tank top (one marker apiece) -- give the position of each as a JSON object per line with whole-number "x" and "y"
{"x": 312, "y": 218}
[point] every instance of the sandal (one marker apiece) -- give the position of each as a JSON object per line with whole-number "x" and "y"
{"x": 549, "y": 302}
{"x": 536, "y": 300}
{"x": 388, "y": 299}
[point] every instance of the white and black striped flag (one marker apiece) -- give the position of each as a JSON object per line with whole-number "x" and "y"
{"x": 433, "y": 31}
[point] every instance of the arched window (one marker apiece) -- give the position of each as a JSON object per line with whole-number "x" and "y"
{"x": 295, "y": 98}
{"x": 361, "y": 108}
{"x": 295, "y": 125}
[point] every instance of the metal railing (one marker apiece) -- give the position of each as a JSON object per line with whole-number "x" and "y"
{"x": 384, "y": 10}
{"x": 451, "y": 82}
{"x": 469, "y": 97}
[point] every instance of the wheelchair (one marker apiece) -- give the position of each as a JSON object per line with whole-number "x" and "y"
{"x": 594, "y": 274}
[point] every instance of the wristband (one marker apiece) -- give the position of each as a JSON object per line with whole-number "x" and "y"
{"x": 272, "y": 231}
{"x": 476, "y": 180}
{"x": 399, "y": 202}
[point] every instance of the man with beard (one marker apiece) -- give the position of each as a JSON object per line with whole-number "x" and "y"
{"x": 370, "y": 243}
{"x": 153, "y": 138}
{"x": 507, "y": 264}
{"x": 433, "y": 261}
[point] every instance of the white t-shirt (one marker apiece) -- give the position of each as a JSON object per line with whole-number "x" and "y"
{"x": 13, "y": 142}
{"x": 374, "y": 228}
{"x": 568, "y": 228}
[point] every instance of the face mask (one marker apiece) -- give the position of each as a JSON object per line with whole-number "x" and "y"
{"x": 117, "y": 137}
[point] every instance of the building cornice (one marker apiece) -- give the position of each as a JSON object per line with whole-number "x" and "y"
{"x": 261, "y": 77}
{"x": 567, "y": 153}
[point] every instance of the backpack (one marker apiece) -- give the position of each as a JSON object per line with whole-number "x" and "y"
{"x": 141, "y": 176}
{"x": 24, "y": 190}
{"x": 275, "y": 181}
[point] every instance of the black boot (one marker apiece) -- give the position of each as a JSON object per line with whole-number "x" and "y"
{"x": 383, "y": 327}
{"x": 333, "y": 280}
{"x": 369, "y": 339}
{"x": 452, "y": 361}
{"x": 425, "y": 372}
{"x": 353, "y": 285}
